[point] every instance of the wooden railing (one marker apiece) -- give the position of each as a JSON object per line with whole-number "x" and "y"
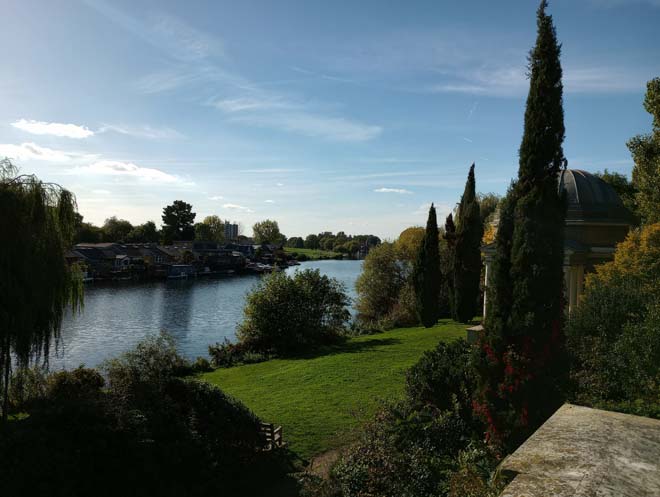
{"x": 272, "y": 436}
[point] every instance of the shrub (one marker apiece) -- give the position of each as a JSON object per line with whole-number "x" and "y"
{"x": 148, "y": 432}
{"x": 228, "y": 354}
{"x": 27, "y": 386}
{"x": 444, "y": 378}
{"x": 613, "y": 333}
{"x": 404, "y": 452}
{"x": 292, "y": 314}
{"x": 476, "y": 475}
{"x": 201, "y": 365}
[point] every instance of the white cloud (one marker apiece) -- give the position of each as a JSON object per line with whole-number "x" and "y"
{"x": 54, "y": 129}
{"x": 216, "y": 197}
{"x": 32, "y": 151}
{"x": 101, "y": 192}
{"x": 236, "y": 207}
{"x": 269, "y": 201}
{"x": 119, "y": 168}
{"x": 393, "y": 190}
{"x": 144, "y": 131}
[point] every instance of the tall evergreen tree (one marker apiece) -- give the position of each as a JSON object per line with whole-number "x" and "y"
{"x": 447, "y": 257}
{"x": 521, "y": 348}
{"x": 427, "y": 276}
{"x": 467, "y": 259}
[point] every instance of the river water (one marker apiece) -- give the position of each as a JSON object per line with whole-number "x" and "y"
{"x": 196, "y": 312}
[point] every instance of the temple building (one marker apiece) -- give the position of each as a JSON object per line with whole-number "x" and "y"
{"x": 596, "y": 221}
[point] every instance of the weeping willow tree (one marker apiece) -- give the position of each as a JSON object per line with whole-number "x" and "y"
{"x": 37, "y": 223}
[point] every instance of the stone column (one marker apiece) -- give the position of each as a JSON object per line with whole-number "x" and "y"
{"x": 572, "y": 289}
{"x": 486, "y": 273}
{"x": 580, "y": 282}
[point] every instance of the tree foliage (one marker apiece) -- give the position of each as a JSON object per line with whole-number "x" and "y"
{"x": 409, "y": 243}
{"x": 379, "y": 285}
{"x": 293, "y": 314}
{"x": 427, "y": 276}
{"x": 211, "y": 229}
{"x": 116, "y": 230}
{"x": 625, "y": 189}
{"x": 267, "y": 231}
{"x": 645, "y": 150}
{"x": 36, "y": 284}
{"x": 467, "y": 259}
{"x": 613, "y": 334}
{"x": 521, "y": 348}
{"x": 178, "y": 219}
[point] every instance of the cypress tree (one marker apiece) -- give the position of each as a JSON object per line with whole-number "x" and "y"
{"x": 467, "y": 260}
{"x": 520, "y": 351}
{"x": 427, "y": 275}
{"x": 448, "y": 260}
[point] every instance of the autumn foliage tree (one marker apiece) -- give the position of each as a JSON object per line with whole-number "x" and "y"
{"x": 520, "y": 351}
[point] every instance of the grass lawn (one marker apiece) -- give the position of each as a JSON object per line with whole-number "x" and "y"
{"x": 312, "y": 254}
{"x": 319, "y": 401}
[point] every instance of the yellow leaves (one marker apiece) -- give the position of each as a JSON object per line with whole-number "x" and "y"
{"x": 637, "y": 257}
{"x": 489, "y": 234}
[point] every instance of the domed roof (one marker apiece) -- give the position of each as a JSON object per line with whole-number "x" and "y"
{"x": 588, "y": 197}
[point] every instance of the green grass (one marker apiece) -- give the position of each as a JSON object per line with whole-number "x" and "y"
{"x": 312, "y": 254}
{"x": 320, "y": 401}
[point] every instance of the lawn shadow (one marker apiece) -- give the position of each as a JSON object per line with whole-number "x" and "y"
{"x": 348, "y": 347}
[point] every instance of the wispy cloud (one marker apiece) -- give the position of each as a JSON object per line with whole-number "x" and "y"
{"x": 623, "y": 3}
{"x": 101, "y": 192}
{"x": 508, "y": 81}
{"x": 467, "y": 139}
{"x": 269, "y": 201}
{"x": 196, "y": 55}
{"x": 216, "y": 197}
{"x": 128, "y": 169}
{"x": 236, "y": 207}
{"x": 308, "y": 124}
{"x": 240, "y": 104}
{"x": 32, "y": 151}
{"x": 53, "y": 129}
{"x": 144, "y": 131}
{"x": 393, "y": 190}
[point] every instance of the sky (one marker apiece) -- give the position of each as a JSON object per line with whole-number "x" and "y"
{"x": 325, "y": 116}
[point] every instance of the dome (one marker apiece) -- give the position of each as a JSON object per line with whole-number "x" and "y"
{"x": 589, "y": 198}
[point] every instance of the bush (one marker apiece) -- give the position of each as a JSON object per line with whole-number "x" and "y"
{"x": 404, "y": 452}
{"x": 292, "y": 314}
{"x": 201, "y": 365}
{"x": 27, "y": 386}
{"x": 147, "y": 432}
{"x": 613, "y": 336}
{"x": 444, "y": 378}
{"x": 228, "y": 354}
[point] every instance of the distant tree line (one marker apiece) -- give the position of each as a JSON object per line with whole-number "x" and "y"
{"x": 339, "y": 242}
{"x": 178, "y": 223}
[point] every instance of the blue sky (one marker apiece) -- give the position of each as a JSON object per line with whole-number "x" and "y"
{"x": 338, "y": 115}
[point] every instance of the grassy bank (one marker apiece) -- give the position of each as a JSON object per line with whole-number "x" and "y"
{"x": 319, "y": 401}
{"x": 313, "y": 254}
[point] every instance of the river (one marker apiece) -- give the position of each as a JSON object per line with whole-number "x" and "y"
{"x": 196, "y": 312}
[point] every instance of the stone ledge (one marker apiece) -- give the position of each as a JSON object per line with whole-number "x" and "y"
{"x": 583, "y": 452}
